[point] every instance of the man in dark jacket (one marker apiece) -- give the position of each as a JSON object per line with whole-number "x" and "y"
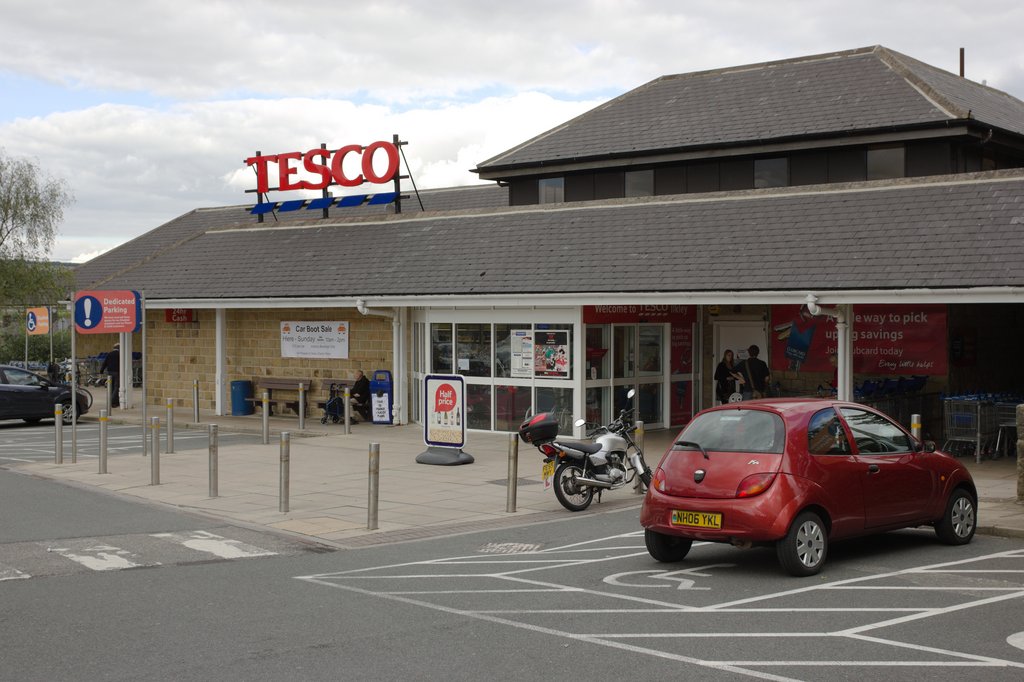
{"x": 360, "y": 395}
{"x": 112, "y": 367}
{"x": 756, "y": 375}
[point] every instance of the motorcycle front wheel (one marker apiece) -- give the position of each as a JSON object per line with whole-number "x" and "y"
{"x": 572, "y": 496}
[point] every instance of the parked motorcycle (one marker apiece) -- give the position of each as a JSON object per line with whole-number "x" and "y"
{"x": 581, "y": 469}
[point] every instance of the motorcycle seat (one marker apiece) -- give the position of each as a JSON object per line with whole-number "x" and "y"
{"x": 589, "y": 448}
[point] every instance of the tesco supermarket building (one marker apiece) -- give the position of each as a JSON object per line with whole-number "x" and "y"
{"x": 628, "y": 248}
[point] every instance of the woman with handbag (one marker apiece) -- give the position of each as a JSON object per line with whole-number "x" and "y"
{"x": 726, "y": 377}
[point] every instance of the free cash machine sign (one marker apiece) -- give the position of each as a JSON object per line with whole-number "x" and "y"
{"x": 107, "y": 312}
{"x": 445, "y": 423}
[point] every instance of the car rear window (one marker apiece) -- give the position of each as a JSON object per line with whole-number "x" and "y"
{"x": 737, "y": 431}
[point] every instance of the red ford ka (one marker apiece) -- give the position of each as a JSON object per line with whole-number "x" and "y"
{"x": 798, "y": 474}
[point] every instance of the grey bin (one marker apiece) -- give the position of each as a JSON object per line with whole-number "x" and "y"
{"x": 240, "y": 390}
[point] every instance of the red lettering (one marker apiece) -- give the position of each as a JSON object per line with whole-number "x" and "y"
{"x": 285, "y": 171}
{"x": 338, "y": 172}
{"x": 320, "y": 169}
{"x": 262, "y": 182}
{"x": 392, "y": 153}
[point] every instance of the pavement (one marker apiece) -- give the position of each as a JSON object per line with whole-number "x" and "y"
{"x": 329, "y": 481}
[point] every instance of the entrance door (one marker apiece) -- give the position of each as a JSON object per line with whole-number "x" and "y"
{"x": 738, "y": 336}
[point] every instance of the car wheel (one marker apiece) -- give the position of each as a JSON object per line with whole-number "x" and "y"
{"x": 65, "y": 406}
{"x": 804, "y": 549}
{"x": 666, "y": 548}
{"x": 958, "y": 524}
{"x": 572, "y": 496}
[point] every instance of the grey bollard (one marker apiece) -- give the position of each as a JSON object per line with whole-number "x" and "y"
{"x": 214, "y": 464}
{"x": 109, "y": 392}
{"x": 285, "y": 477}
{"x": 374, "y": 486}
{"x": 348, "y": 411}
{"x": 638, "y": 438}
{"x": 302, "y": 406}
{"x": 266, "y": 418}
{"x": 58, "y": 430}
{"x": 103, "y": 441}
{"x": 513, "y": 472}
{"x": 154, "y": 463}
{"x": 195, "y": 401}
{"x": 170, "y": 426}
{"x": 915, "y": 426}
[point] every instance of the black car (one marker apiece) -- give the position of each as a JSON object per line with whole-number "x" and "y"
{"x": 26, "y": 395}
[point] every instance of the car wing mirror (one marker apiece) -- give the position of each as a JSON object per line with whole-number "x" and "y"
{"x": 928, "y": 446}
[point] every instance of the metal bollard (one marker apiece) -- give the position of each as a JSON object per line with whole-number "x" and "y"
{"x": 103, "y": 441}
{"x": 109, "y": 392}
{"x": 374, "y": 486}
{"x": 513, "y": 472}
{"x": 195, "y": 401}
{"x": 266, "y": 418}
{"x": 915, "y": 426}
{"x": 302, "y": 406}
{"x": 213, "y": 460}
{"x": 638, "y": 438}
{"x": 154, "y": 463}
{"x": 348, "y": 411}
{"x": 285, "y": 477}
{"x": 58, "y": 430}
{"x": 170, "y": 426}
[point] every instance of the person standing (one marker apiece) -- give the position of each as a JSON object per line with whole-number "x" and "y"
{"x": 726, "y": 376}
{"x": 756, "y": 375}
{"x": 112, "y": 367}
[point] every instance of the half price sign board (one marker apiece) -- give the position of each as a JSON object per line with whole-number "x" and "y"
{"x": 445, "y": 419}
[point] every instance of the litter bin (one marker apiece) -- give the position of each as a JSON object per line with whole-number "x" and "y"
{"x": 240, "y": 390}
{"x": 381, "y": 396}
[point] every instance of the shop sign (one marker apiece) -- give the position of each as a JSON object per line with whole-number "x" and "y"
{"x": 522, "y": 353}
{"x": 632, "y": 314}
{"x": 887, "y": 339}
{"x": 444, "y": 423}
{"x": 325, "y": 166}
{"x": 107, "y": 312}
{"x": 37, "y": 321}
{"x": 314, "y": 340}
{"x": 179, "y": 315}
{"x": 551, "y": 354}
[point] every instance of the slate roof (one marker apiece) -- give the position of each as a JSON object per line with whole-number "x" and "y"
{"x": 194, "y": 223}
{"x": 867, "y": 89}
{"x": 947, "y": 232}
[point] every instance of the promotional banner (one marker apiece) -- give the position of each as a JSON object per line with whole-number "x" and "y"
{"x": 551, "y": 354}
{"x": 444, "y": 423}
{"x": 107, "y": 312}
{"x": 37, "y": 321}
{"x": 522, "y": 353}
{"x": 887, "y": 339}
{"x": 314, "y": 340}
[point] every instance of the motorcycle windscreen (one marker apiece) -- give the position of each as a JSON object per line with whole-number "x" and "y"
{"x": 738, "y": 443}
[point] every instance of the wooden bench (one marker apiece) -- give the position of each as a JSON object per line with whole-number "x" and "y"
{"x": 270, "y": 384}
{"x": 340, "y": 386}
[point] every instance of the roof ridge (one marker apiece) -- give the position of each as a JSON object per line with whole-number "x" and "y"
{"x": 897, "y": 62}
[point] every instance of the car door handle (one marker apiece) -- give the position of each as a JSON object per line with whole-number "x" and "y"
{"x": 872, "y": 468}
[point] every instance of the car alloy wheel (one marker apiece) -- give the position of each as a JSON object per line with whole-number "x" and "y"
{"x": 960, "y": 520}
{"x": 802, "y": 552}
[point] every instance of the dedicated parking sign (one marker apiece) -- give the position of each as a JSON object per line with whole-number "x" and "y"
{"x": 107, "y": 312}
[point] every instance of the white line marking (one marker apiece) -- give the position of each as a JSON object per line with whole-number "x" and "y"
{"x": 202, "y": 541}
{"x": 101, "y": 557}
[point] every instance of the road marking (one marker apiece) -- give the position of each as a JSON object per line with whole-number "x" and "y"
{"x": 9, "y": 573}
{"x": 101, "y": 557}
{"x": 675, "y": 576}
{"x": 203, "y": 541}
{"x": 1016, "y": 639}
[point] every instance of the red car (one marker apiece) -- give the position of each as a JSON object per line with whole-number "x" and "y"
{"x": 799, "y": 474}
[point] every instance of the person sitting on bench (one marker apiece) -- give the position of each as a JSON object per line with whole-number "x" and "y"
{"x": 360, "y": 395}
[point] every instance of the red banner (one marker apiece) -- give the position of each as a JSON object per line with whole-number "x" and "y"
{"x": 887, "y": 339}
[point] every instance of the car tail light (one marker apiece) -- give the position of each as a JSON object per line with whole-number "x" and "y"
{"x": 658, "y": 480}
{"x": 755, "y": 484}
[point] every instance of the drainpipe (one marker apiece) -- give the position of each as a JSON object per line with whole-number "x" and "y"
{"x": 398, "y": 375}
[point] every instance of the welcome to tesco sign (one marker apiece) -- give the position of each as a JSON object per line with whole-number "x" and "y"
{"x": 326, "y": 165}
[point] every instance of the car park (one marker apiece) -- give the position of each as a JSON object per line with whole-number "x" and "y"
{"x": 799, "y": 474}
{"x": 31, "y": 397}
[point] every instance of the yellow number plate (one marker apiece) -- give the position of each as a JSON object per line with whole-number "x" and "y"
{"x": 681, "y": 517}
{"x": 548, "y": 470}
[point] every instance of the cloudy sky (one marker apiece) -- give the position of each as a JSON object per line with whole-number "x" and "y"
{"x": 148, "y": 107}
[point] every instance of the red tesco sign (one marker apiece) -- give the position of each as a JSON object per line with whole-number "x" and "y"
{"x": 326, "y": 165}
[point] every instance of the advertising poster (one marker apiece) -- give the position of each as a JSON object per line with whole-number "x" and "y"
{"x": 444, "y": 423}
{"x": 522, "y": 353}
{"x": 314, "y": 340}
{"x": 887, "y": 339}
{"x": 551, "y": 354}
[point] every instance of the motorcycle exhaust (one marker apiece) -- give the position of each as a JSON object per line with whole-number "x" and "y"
{"x": 591, "y": 482}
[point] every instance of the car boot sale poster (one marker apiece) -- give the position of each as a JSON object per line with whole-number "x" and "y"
{"x": 887, "y": 339}
{"x": 551, "y": 353}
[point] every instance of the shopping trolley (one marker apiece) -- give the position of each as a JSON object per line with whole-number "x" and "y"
{"x": 971, "y": 426}
{"x": 1006, "y": 424}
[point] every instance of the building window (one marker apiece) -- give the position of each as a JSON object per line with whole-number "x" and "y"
{"x": 473, "y": 349}
{"x": 640, "y": 183}
{"x": 771, "y": 172}
{"x": 886, "y": 162}
{"x": 552, "y": 190}
{"x": 441, "y": 347}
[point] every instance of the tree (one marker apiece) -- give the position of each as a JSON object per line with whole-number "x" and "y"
{"x": 31, "y": 209}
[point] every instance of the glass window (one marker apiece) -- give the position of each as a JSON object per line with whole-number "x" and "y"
{"x": 559, "y": 401}
{"x": 825, "y": 434}
{"x": 873, "y": 433}
{"x": 478, "y": 406}
{"x": 441, "y": 347}
{"x": 551, "y": 190}
{"x": 650, "y": 350}
{"x": 510, "y": 406}
{"x": 640, "y": 183}
{"x": 19, "y": 377}
{"x": 649, "y": 403}
{"x": 771, "y": 172}
{"x": 597, "y": 398}
{"x": 503, "y": 351}
{"x": 738, "y": 430}
{"x": 885, "y": 162}
{"x": 473, "y": 350}
{"x": 597, "y": 351}
{"x": 624, "y": 343}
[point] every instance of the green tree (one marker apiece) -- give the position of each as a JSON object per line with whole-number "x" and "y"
{"x": 31, "y": 210}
